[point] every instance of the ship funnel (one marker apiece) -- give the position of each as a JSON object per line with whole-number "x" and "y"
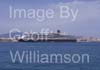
{"x": 58, "y": 31}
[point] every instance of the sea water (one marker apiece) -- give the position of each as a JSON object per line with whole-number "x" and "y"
{"x": 93, "y": 49}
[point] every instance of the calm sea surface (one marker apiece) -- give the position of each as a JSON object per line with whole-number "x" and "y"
{"x": 93, "y": 49}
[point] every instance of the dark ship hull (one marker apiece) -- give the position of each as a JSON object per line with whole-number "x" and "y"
{"x": 49, "y": 40}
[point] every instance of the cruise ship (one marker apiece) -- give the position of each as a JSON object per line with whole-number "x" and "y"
{"x": 50, "y": 37}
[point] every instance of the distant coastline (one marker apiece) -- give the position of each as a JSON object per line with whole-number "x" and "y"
{"x": 58, "y": 36}
{"x": 78, "y": 39}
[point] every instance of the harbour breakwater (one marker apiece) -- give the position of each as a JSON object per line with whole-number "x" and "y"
{"x": 7, "y": 40}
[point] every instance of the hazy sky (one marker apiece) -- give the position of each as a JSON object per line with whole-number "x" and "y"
{"x": 87, "y": 22}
